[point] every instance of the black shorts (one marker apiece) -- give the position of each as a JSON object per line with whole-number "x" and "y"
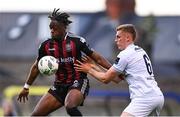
{"x": 59, "y": 91}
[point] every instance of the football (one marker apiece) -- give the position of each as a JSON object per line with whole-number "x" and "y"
{"x": 48, "y": 65}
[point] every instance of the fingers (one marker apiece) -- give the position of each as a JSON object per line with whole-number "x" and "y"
{"x": 79, "y": 62}
{"x": 87, "y": 59}
{"x": 84, "y": 59}
{"x": 24, "y": 98}
{"x": 19, "y": 98}
{"x": 76, "y": 66}
{"x": 78, "y": 69}
{"x": 82, "y": 67}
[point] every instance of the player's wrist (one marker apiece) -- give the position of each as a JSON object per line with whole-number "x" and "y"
{"x": 90, "y": 70}
{"x": 26, "y": 86}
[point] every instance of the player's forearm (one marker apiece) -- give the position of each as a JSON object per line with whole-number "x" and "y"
{"x": 33, "y": 74}
{"x": 104, "y": 63}
{"x": 98, "y": 75}
{"x": 101, "y": 60}
{"x": 97, "y": 68}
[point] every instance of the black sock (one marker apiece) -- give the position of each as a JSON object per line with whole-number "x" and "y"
{"x": 73, "y": 111}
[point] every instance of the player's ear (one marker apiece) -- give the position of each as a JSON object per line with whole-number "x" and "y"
{"x": 128, "y": 36}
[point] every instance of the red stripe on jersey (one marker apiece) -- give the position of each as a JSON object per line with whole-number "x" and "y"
{"x": 68, "y": 67}
{"x": 74, "y": 54}
{"x": 59, "y": 76}
{"x": 56, "y": 55}
{"x": 56, "y": 51}
{"x": 47, "y": 48}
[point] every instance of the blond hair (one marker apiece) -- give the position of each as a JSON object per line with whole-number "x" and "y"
{"x": 129, "y": 28}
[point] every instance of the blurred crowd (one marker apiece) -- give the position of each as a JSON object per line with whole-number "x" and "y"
{"x": 100, "y": 30}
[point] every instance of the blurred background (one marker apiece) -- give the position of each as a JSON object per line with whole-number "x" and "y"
{"x": 24, "y": 24}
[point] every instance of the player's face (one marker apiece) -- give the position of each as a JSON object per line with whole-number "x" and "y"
{"x": 121, "y": 39}
{"x": 57, "y": 29}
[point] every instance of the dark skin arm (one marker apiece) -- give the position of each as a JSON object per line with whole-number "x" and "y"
{"x": 34, "y": 72}
{"x": 104, "y": 77}
{"x": 103, "y": 62}
{"x": 23, "y": 95}
{"x": 100, "y": 60}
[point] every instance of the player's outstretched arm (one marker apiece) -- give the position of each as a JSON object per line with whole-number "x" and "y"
{"x": 23, "y": 95}
{"x": 34, "y": 72}
{"x": 101, "y": 76}
{"x": 98, "y": 68}
{"x": 87, "y": 59}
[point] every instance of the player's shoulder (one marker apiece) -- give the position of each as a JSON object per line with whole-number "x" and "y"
{"x": 44, "y": 42}
{"x": 122, "y": 54}
{"x": 77, "y": 37}
{"x": 128, "y": 51}
{"x": 133, "y": 49}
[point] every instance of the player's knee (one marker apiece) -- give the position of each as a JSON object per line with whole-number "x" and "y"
{"x": 73, "y": 111}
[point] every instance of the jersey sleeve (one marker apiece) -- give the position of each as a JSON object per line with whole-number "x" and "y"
{"x": 41, "y": 52}
{"x": 85, "y": 47}
{"x": 120, "y": 63}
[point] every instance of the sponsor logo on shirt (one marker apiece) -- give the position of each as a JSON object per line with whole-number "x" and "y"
{"x": 75, "y": 83}
{"x": 68, "y": 47}
{"x": 67, "y": 60}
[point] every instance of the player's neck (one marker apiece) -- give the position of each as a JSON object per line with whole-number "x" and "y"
{"x": 64, "y": 35}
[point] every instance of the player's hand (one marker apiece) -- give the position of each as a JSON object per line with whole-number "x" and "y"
{"x": 83, "y": 67}
{"x": 23, "y": 95}
{"x": 87, "y": 59}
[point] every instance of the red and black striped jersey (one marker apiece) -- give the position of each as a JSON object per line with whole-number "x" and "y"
{"x": 67, "y": 50}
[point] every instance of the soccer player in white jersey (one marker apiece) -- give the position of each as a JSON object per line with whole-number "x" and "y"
{"x": 135, "y": 65}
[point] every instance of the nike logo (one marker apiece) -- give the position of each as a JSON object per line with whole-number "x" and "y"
{"x": 50, "y": 49}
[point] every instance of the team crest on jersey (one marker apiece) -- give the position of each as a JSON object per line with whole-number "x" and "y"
{"x": 117, "y": 60}
{"x": 75, "y": 83}
{"x": 68, "y": 47}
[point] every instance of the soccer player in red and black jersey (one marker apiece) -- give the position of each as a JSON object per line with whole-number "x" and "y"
{"x": 70, "y": 86}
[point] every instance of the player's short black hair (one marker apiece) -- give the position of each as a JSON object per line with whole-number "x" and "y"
{"x": 60, "y": 17}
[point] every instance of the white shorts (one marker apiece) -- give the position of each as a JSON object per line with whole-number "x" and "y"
{"x": 143, "y": 107}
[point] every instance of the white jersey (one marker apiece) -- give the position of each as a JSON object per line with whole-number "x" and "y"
{"x": 135, "y": 64}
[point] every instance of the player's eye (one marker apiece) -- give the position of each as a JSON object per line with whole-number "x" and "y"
{"x": 117, "y": 37}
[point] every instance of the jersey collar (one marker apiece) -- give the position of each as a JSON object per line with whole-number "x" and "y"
{"x": 65, "y": 37}
{"x": 130, "y": 45}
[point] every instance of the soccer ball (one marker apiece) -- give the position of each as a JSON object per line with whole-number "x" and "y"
{"x": 48, "y": 65}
